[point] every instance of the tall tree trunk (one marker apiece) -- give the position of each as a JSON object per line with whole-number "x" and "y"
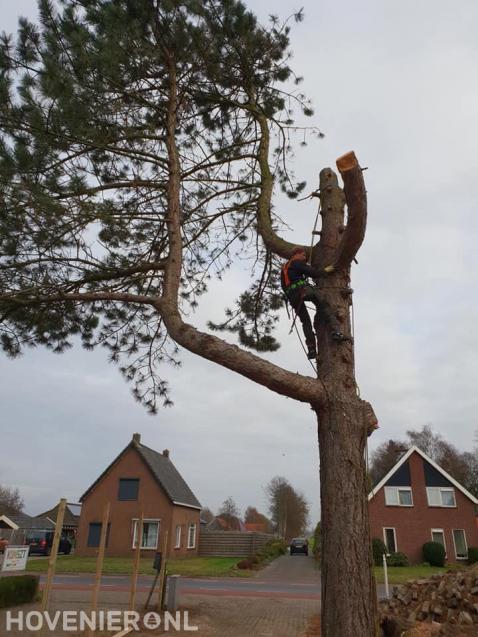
{"x": 348, "y": 588}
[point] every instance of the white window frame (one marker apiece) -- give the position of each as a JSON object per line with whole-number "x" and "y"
{"x": 390, "y": 528}
{"x": 454, "y": 543}
{"x": 192, "y": 545}
{"x": 178, "y": 536}
{"x": 135, "y": 522}
{"x": 396, "y": 490}
{"x": 444, "y": 540}
{"x": 441, "y": 490}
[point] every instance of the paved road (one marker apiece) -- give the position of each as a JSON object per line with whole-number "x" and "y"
{"x": 294, "y": 577}
{"x": 291, "y": 577}
{"x": 288, "y": 576}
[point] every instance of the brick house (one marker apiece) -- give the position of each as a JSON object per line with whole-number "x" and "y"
{"x": 70, "y": 520}
{"x": 140, "y": 479}
{"x": 417, "y": 502}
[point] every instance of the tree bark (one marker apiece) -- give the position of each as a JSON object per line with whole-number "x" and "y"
{"x": 349, "y": 605}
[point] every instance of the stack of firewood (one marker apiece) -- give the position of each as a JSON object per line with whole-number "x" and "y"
{"x": 442, "y": 602}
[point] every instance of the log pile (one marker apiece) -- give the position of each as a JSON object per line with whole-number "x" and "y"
{"x": 440, "y": 605}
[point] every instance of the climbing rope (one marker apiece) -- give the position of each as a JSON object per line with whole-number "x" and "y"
{"x": 314, "y": 229}
{"x": 352, "y": 318}
{"x": 303, "y": 347}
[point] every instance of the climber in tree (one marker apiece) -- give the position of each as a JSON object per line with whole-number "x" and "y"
{"x": 298, "y": 290}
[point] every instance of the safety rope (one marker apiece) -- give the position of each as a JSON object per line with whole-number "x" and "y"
{"x": 314, "y": 231}
{"x": 352, "y": 325}
{"x": 366, "y": 454}
{"x": 305, "y": 351}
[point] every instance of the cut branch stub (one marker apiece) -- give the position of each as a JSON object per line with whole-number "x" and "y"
{"x": 370, "y": 419}
{"x": 356, "y": 197}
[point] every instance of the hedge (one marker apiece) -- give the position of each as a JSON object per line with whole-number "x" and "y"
{"x": 378, "y": 550}
{"x": 397, "y": 559}
{"x": 18, "y": 589}
{"x": 434, "y": 553}
{"x": 472, "y": 555}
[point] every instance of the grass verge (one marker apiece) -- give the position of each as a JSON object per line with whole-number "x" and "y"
{"x": 188, "y": 566}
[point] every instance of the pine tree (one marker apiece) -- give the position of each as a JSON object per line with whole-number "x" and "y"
{"x": 140, "y": 144}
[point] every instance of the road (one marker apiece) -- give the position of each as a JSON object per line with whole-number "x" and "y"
{"x": 291, "y": 577}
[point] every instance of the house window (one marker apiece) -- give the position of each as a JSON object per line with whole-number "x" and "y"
{"x": 128, "y": 489}
{"x": 94, "y": 534}
{"x": 390, "y": 539}
{"x": 178, "y": 537}
{"x": 461, "y": 548}
{"x": 398, "y": 496}
{"x": 439, "y": 536}
{"x": 192, "y": 536}
{"x": 441, "y": 497}
{"x": 150, "y": 535}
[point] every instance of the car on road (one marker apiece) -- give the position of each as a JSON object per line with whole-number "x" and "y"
{"x": 40, "y": 543}
{"x": 3, "y": 545}
{"x": 299, "y": 545}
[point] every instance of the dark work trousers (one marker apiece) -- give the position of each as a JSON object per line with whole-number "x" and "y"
{"x": 297, "y": 298}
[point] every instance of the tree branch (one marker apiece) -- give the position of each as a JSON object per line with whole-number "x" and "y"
{"x": 264, "y": 222}
{"x": 356, "y": 196}
{"x": 207, "y": 346}
{"x": 82, "y": 297}
{"x": 303, "y": 388}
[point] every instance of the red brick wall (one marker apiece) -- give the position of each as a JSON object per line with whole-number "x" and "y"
{"x": 151, "y": 498}
{"x": 413, "y": 524}
{"x": 183, "y": 517}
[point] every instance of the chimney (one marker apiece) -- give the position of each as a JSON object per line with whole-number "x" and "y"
{"x": 166, "y": 453}
{"x": 137, "y": 439}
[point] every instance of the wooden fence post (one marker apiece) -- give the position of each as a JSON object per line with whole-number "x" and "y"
{"x": 137, "y": 557}
{"x": 99, "y": 562}
{"x": 53, "y": 556}
{"x": 163, "y": 572}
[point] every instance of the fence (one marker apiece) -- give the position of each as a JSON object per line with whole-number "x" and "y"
{"x": 14, "y": 538}
{"x": 231, "y": 543}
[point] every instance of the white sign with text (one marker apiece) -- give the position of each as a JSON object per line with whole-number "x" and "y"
{"x": 15, "y": 558}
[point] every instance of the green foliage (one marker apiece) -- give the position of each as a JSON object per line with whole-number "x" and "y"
{"x": 276, "y": 547}
{"x": 434, "y": 553}
{"x": 88, "y": 98}
{"x": 270, "y": 551}
{"x": 18, "y": 589}
{"x": 397, "y": 559}
{"x": 472, "y": 554}
{"x": 378, "y": 550}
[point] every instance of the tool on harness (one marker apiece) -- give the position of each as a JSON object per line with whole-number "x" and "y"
{"x": 297, "y": 284}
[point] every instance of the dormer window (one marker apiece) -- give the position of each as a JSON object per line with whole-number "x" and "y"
{"x": 441, "y": 497}
{"x": 398, "y": 496}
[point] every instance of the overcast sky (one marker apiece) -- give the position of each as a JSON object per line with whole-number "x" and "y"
{"x": 396, "y": 82}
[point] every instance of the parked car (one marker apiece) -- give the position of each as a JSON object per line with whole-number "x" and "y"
{"x": 40, "y": 543}
{"x": 299, "y": 545}
{"x": 3, "y": 545}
